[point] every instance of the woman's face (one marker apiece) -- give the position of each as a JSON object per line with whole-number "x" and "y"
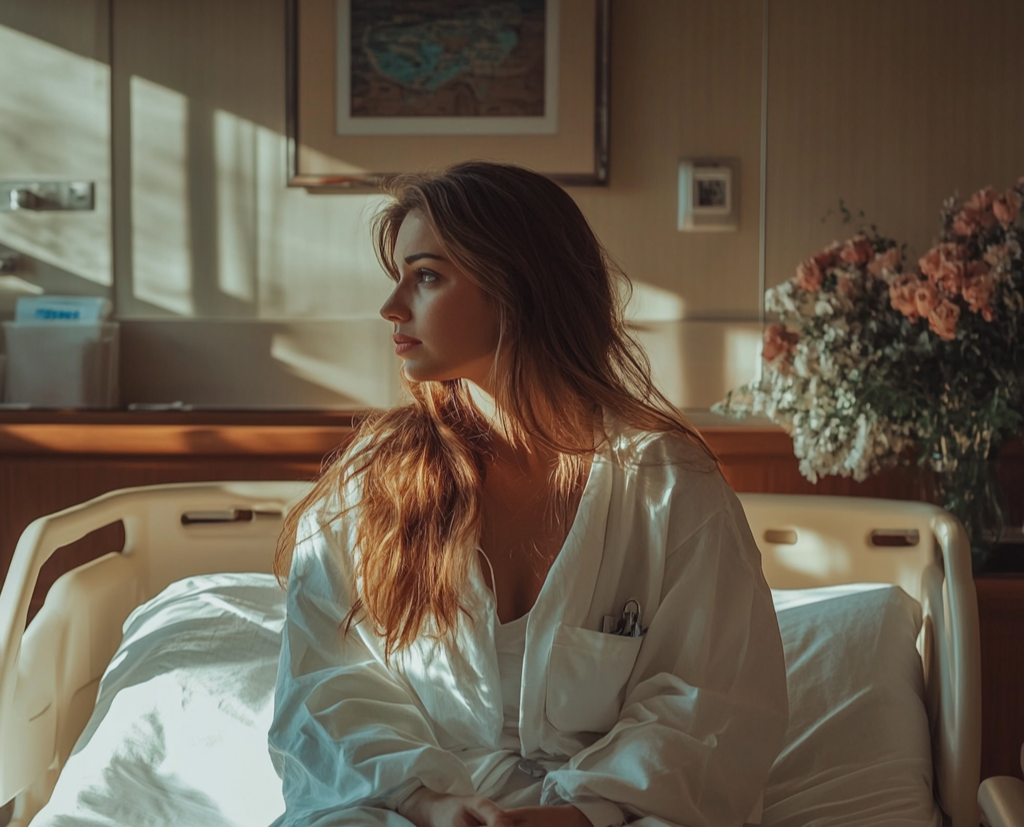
{"x": 445, "y": 327}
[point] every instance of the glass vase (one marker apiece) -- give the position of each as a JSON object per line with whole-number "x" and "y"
{"x": 971, "y": 492}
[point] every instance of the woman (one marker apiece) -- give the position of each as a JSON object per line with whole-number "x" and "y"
{"x": 527, "y": 596}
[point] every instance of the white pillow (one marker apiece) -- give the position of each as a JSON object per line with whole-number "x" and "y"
{"x": 858, "y": 749}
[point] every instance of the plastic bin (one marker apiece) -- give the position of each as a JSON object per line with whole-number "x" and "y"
{"x": 66, "y": 365}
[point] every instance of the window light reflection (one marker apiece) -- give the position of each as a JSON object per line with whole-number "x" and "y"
{"x": 161, "y": 238}
{"x": 55, "y": 125}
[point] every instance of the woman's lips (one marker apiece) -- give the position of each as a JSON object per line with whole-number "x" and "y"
{"x": 403, "y": 344}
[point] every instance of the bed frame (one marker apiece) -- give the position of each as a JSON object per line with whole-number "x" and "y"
{"x": 50, "y": 672}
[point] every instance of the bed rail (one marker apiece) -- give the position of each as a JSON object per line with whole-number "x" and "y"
{"x": 814, "y": 540}
{"x": 49, "y": 672}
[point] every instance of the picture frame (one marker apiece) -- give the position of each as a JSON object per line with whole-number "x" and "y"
{"x": 573, "y": 152}
{"x": 708, "y": 195}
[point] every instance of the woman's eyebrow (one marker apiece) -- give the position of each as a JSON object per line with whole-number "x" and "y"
{"x": 417, "y": 256}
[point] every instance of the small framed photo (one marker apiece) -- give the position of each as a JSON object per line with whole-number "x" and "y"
{"x": 708, "y": 195}
{"x": 712, "y": 191}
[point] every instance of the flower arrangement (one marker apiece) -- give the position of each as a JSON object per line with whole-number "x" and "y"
{"x": 871, "y": 360}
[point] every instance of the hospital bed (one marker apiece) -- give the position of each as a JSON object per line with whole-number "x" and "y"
{"x": 814, "y": 550}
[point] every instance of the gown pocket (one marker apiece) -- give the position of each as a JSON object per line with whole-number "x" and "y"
{"x": 587, "y": 678}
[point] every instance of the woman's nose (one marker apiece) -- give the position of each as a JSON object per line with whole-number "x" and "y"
{"x": 394, "y": 309}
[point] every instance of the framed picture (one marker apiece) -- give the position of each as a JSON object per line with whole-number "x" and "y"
{"x": 380, "y": 87}
{"x": 708, "y": 195}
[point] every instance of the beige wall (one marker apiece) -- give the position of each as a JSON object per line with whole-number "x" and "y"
{"x": 237, "y": 291}
{"x": 207, "y": 231}
{"x": 55, "y": 125}
{"x": 892, "y": 106}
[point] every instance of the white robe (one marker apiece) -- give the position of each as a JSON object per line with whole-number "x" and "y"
{"x": 677, "y": 727}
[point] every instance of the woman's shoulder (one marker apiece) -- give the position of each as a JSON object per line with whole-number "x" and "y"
{"x": 630, "y": 446}
{"x": 674, "y": 471}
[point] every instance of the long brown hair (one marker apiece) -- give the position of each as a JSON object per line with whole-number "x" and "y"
{"x": 563, "y": 347}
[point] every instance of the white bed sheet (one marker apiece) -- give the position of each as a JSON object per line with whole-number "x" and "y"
{"x": 178, "y": 735}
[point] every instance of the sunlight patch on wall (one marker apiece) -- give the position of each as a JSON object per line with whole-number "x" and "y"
{"x": 315, "y": 251}
{"x": 55, "y": 126}
{"x": 655, "y": 316}
{"x": 654, "y": 304}
{"x": 742, "y": 354}
{"x": 161, "y": 243}
{"x": 696, "y": 362}
{"x": 235, "y": 153}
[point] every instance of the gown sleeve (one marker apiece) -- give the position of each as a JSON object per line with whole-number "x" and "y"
{"x": 706, "y": 706}
{"x": 327, "y": 738}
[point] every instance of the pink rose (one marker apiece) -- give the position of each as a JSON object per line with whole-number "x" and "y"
{"x": 827, "y": 257}
{"x": 943, "y": 318}
{"x": 889, "y": 260}
{"x": 943, "y": 265}
{"x": 808, "y": 276}
{"x": 930, "y": 261}
{"x": 926, "y": 297}
{"x": 901, "y": 295}
{"x": 950, "y": 277}
{"x": 858, "y": 250}
{"x": 978, "y": 289}
{"x": 998, "y": 255}
{"x": 1005, "y": 208}
{"x": 967, "y": 222}
{"x": 982, "y": 199}
{"x": 847, "y": 286}
{"x": 778, "y": 341}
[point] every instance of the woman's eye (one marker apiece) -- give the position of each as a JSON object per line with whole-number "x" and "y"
{"x": 427, "y": 276}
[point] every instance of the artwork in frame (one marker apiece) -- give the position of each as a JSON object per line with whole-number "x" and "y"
{"x": 447, "y": 67}
{"x": 708, "y": 195}
{"x": 381, "y": 87}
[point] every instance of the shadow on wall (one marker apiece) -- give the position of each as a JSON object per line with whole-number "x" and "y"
{"x": 343, "y": 364}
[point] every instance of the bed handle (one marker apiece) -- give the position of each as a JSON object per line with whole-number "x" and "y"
{"x": 230, "y": 515}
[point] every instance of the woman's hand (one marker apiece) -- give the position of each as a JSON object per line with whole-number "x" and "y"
{"x": 425, "y": 808}
{"x": 562, "y": 816}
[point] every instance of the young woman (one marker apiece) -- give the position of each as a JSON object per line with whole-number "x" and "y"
{"x": 526, "y": 597}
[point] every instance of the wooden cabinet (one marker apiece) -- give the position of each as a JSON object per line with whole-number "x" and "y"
{"x": 1001, "y": 616}
{"x": 52, "y": 460}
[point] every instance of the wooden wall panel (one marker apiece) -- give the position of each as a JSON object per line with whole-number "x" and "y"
{"x": 1001, "y": 616}
{"x": 891, "y": 107}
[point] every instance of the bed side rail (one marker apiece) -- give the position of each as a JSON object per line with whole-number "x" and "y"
{"x": 814, "y": 540}
{"x": 49, "y": 672}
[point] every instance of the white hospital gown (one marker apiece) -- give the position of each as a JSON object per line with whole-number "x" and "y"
{"x": 677, "y": 727}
